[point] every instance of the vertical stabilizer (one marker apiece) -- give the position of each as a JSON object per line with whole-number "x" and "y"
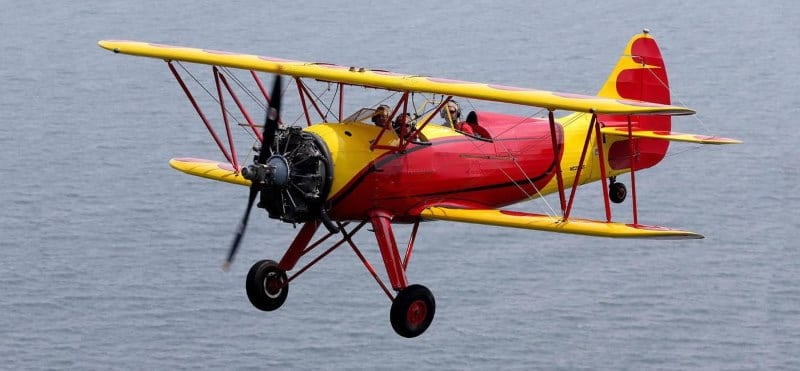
{"x": 640, "y": 74}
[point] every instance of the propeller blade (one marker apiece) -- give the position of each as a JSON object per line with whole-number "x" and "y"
{"x": 242, "y": 226}
{"x": 271, "y": 121}
{"x": 270, "y": 127}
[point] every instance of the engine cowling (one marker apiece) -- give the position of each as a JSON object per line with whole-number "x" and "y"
{"x": 296, "y": 179}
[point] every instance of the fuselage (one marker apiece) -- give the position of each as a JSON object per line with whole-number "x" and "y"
{"x": 518, "y": 162}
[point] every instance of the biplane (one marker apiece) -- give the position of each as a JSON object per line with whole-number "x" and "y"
{"x": 390, "y": 164}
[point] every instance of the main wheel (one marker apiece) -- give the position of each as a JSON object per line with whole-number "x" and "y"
{"x": 617, "y": 192}
{"x": 412, "y": 311}
{"x": 267, "y": 285}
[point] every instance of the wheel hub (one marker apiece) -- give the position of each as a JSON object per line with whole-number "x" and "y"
{"x": 273, "y": 285}
{"x": 417, "y": 312}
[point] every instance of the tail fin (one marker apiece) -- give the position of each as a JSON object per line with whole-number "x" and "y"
{"x": 640, "y": 74}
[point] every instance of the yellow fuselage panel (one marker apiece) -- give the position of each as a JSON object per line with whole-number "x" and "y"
{"x": 349, "y": 147}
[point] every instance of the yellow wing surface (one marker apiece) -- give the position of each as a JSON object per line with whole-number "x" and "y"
{"x": 395, "y": 81}
{"x": 215, "y": 170}
{"x": 504, "y": 218}
{"x": 668, "y": 135}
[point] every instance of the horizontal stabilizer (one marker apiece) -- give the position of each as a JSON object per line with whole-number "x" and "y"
{"x": 514, "y": 219}
{"x": 668, "y": 135}
{"x": 221, "y": 171}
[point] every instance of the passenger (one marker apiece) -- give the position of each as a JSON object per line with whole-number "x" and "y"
{"x": 381, "y": 116}
{"x": 452, "y": 115}
{"x": 402, "y": 121}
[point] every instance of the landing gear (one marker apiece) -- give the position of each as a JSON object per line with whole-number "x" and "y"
{"x": 413, "y": 306}
{"x": 412, "y": 311}
{"x": 267, "y": 285}
{"x": 617, "y": 191}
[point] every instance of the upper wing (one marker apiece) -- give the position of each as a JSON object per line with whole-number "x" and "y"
{"x": 396, "y": 81}
{"x": 540, "y": 222}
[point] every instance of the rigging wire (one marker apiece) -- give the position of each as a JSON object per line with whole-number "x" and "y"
{"x": 550, "y": 211}
{"x": 678, "y": 99}
{"x": 213, "y": 96}
{"x": 244, "y": 88}
{"x": 680, "y": 102}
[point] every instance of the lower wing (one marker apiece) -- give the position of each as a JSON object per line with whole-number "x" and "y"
{"x": 215, "y": 170}
{"x": 547, "y": 223}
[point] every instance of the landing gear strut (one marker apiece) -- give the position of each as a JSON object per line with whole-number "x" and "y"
{"x": 616, "y": 191}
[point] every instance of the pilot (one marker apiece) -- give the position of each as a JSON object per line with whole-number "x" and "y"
{"x": 402, "y": 121}
{"x": 452, "y": 116}
{"x": 381, "y": 116}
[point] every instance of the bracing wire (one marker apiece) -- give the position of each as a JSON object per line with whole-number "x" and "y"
{"x": 550, "y": 211}
{"x": 682, "y": 103}
{"x": 244, "y": 88}
{"x": 677, "y": 99}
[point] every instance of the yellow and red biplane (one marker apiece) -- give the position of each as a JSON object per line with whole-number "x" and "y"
{"x": 391, "y": 164}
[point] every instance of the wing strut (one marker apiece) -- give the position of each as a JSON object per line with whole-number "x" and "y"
{"x": 200, "y": 112}
{"x": 341, "y": 102}
{"x": 559, "y": 176}
{"x": 603, "y": 173}
{"x": 260, "y": 86}
{"x": 220, "y": 80}
{"x": 303, "y": 90}
{"x": 580, "y": 166}
{"x": 594, "y": 126}
{"x": 239, "y": 104}
{"x": 234, "y": 156}
{"x": 415, "y": 134}
{"x": 633, "y": 172}
{"x": 388, "y": 126}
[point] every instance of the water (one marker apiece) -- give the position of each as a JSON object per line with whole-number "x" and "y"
{"x": 110, "y": 259}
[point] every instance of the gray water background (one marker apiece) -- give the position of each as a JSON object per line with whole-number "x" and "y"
{"x": 109, "y": 259}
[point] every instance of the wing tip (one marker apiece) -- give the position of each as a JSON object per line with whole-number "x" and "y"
{"x": 104, "y": 44}
{"x": 110, "y": 45}
{"x": 681, "y": 235}
{"x": 727, "y": 141}
{"x": 215, "y": 170}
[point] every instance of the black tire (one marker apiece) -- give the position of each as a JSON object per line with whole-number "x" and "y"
{"x": 412, "y": 311}
{"x": 617, "y": 192}
{"x": 267, "y": 286}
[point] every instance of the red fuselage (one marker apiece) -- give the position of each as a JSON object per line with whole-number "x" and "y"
{"x": 448, "y": 168}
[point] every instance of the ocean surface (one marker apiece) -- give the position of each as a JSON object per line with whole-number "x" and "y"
{"x": 109, "y": 259}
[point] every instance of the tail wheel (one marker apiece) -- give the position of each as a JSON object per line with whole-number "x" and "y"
{"x": 412, "y": 311}
{"x": 617, "y": 192}
{"x": 267, "y": 286}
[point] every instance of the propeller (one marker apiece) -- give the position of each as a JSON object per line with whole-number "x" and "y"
{"x": 257, "y": 173}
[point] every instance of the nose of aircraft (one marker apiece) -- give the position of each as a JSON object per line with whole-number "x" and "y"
{"x": 295, "y": 180}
